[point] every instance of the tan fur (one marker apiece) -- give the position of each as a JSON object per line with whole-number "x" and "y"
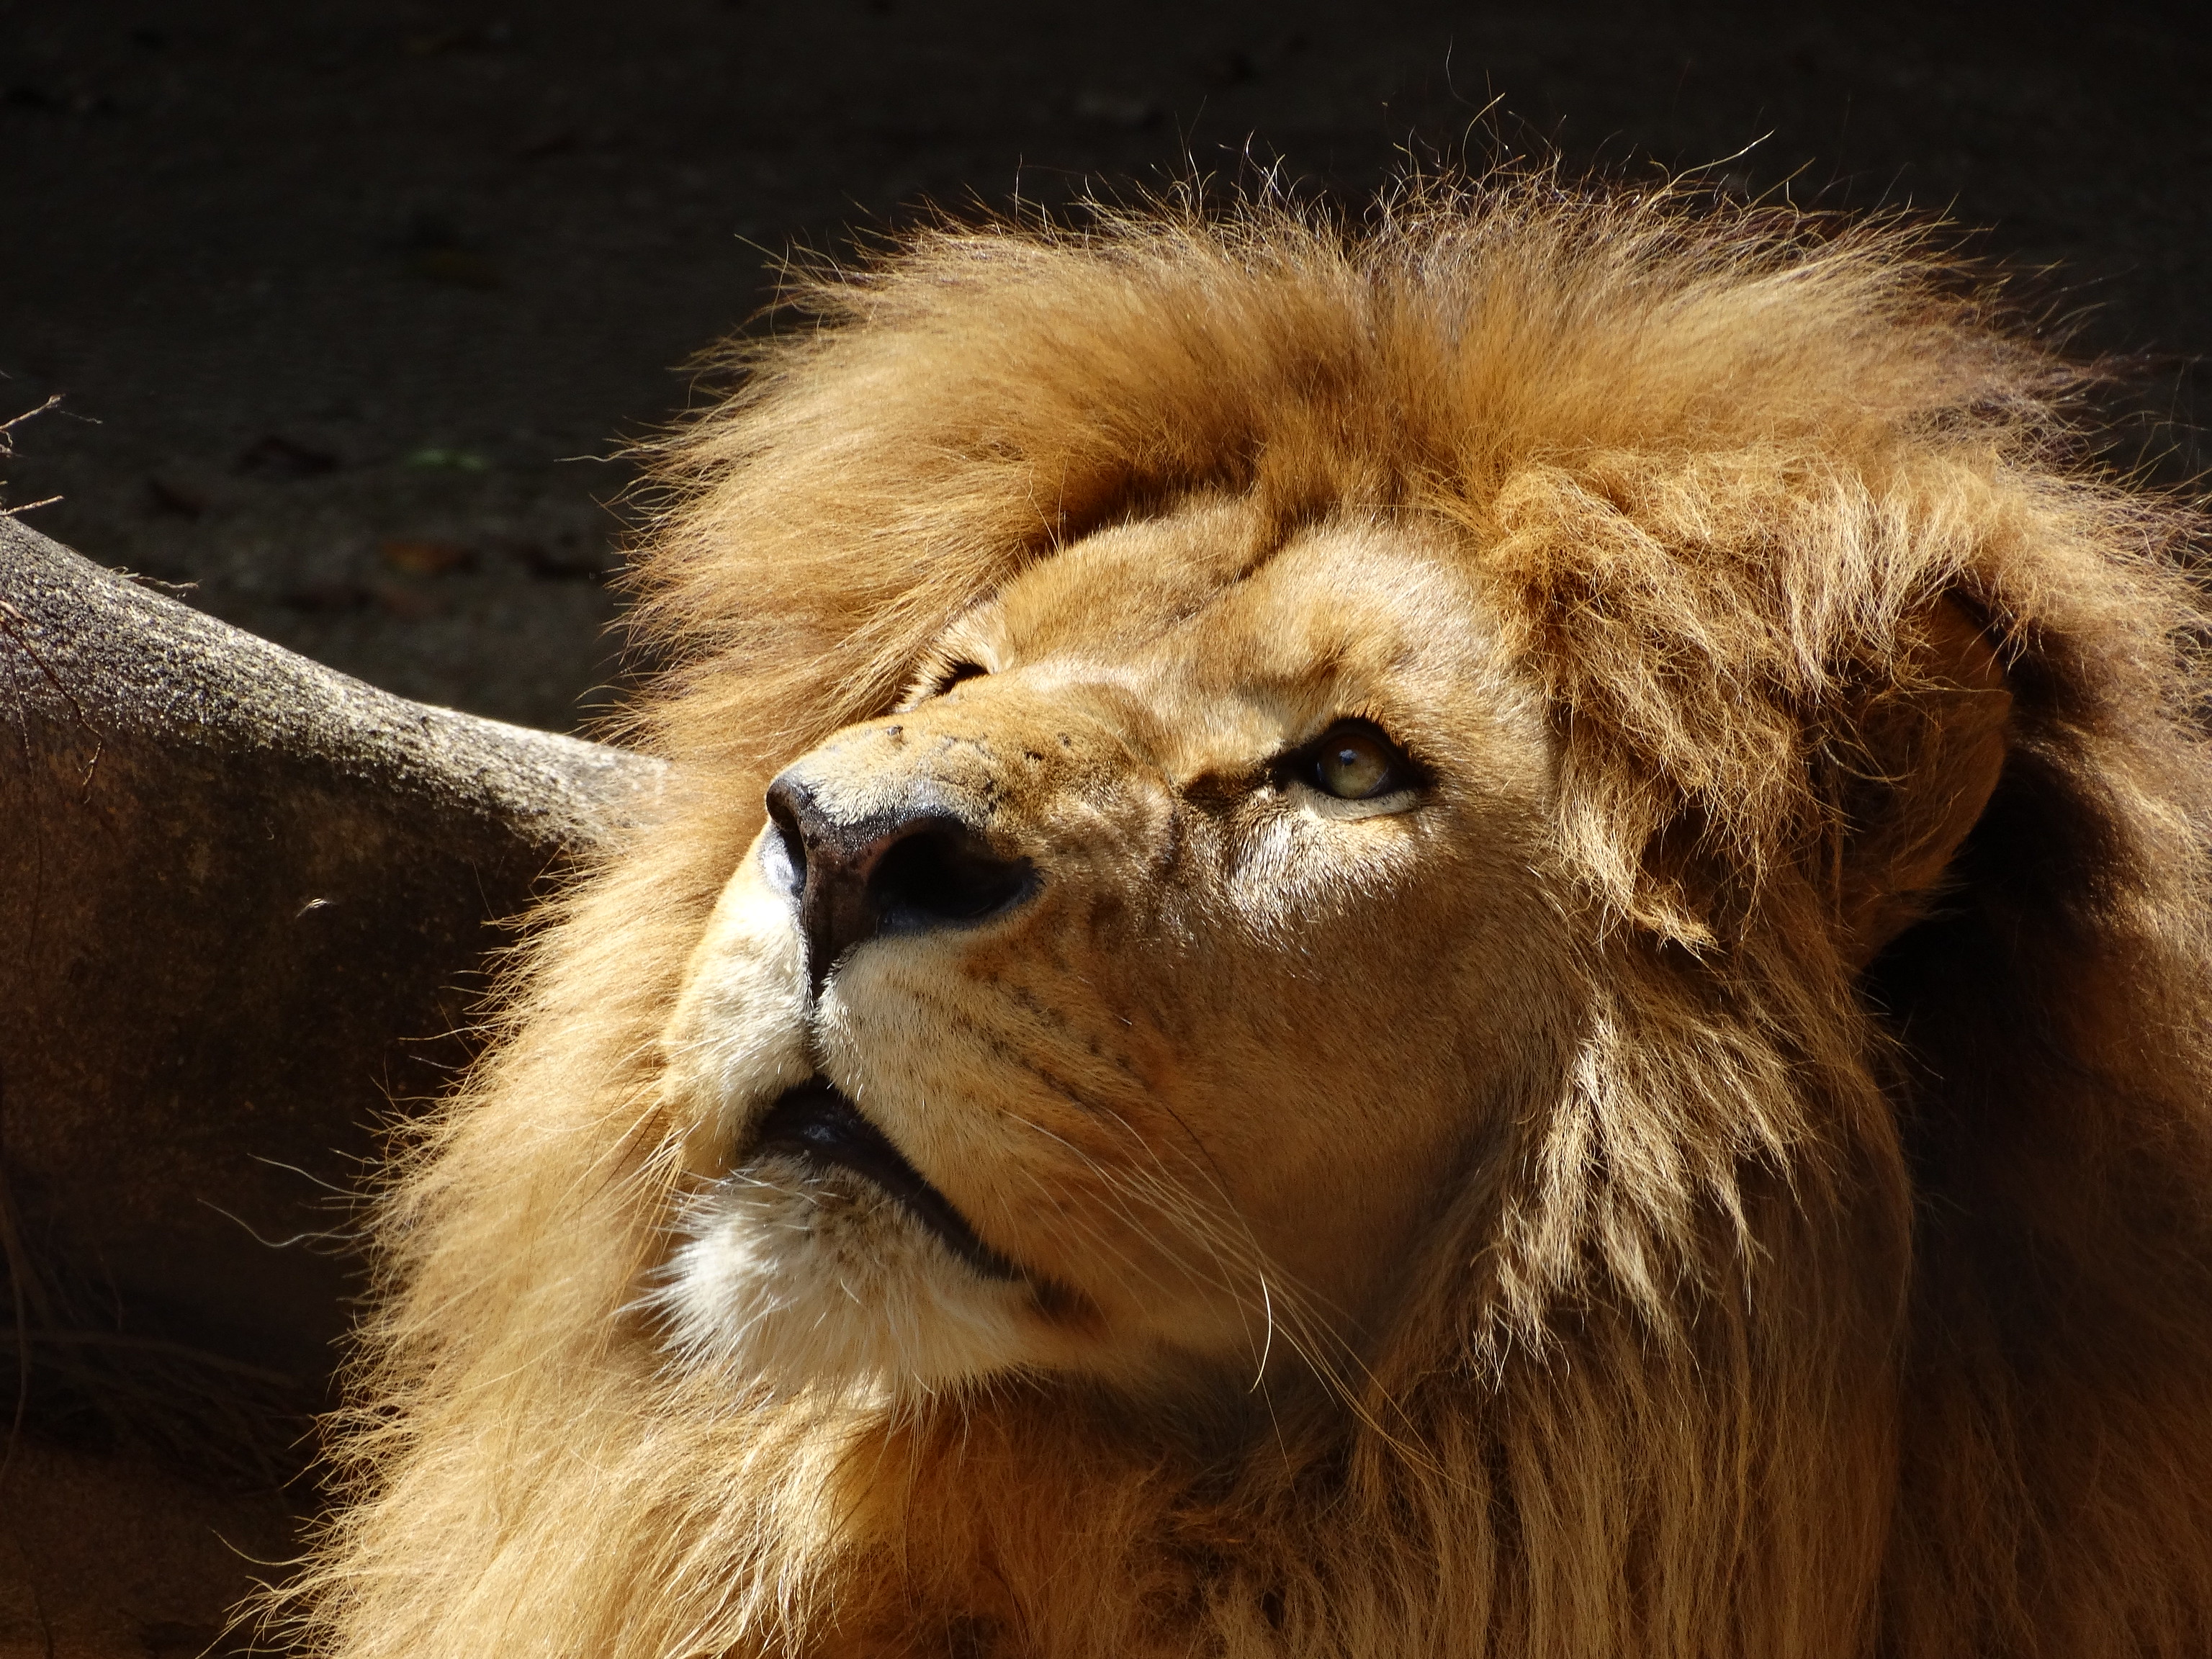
{"x": 1788, "y": 1052}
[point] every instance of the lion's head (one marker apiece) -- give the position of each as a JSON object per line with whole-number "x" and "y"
{"x": 1488, "y": 936}
{"x": 1139, "y": 991}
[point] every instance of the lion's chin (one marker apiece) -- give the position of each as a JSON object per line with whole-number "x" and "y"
{"x": 797, "y": 1274}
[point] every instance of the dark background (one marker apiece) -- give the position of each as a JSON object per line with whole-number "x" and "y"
{"x": 348, "y": 304}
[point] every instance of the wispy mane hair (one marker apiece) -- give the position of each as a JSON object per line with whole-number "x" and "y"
{"x": 1828, "y": 1306}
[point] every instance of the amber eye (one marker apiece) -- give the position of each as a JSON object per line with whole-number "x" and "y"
{"x": 1354, "y": 761}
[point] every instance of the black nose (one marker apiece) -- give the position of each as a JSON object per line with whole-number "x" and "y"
{"x": 910, "y": 870}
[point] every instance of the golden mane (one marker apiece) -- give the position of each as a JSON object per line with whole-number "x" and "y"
{"x": 1827, "y": 1308}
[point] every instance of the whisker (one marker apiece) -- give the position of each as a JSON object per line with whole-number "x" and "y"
{"x": 1243, "y": 1266}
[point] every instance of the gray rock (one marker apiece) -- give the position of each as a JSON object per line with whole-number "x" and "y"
{"x": 247, "y": 905}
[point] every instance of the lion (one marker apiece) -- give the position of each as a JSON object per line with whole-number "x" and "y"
{"x": 1482, "y": 931}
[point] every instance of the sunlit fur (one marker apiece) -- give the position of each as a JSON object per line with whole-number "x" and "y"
{"x": 1809, "y": 1308}
{"x": 756, "y": 1289}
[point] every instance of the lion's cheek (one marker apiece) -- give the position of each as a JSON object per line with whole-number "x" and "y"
{"x": 737, "y": 1035}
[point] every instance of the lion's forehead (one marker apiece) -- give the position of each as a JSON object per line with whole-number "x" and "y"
{"x": 1379, "y": 618}
{"x": 1137, "y": 586}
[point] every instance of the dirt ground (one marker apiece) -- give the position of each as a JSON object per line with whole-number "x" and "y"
{"x": 347, "y": 307}
{"x": 348, "y": 303}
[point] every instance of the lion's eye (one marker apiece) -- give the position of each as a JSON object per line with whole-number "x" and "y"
{"x": 957, "y": 672}
{"x": 1354, "y": 761}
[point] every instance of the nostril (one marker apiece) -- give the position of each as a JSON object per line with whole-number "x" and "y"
{"x": 783, "y": 854}
{"x": 940, "y": 873}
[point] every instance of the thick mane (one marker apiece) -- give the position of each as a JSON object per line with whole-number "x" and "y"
{"x": 1830, "y": 1306}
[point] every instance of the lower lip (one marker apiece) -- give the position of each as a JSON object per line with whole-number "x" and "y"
{"x": 816, "y": 1122}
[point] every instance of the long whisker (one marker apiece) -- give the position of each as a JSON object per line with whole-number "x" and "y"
{"x": 1241, "y": 1265}
{"x": 1165, "y": 1203}
{"x": 1239, "y": 1259}
{"x": 1218, "y": 1180}
{"x": 1260, "y": 1372}
{"x": 1089, "y": 1232}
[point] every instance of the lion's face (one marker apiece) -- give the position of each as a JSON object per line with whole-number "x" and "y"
{"x": 1131, "y": 1000}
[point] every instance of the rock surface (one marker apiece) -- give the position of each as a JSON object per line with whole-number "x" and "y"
{"x": 247, "y": 905}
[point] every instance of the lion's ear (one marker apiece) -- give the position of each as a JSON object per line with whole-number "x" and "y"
{"x": 1932, "y": 751}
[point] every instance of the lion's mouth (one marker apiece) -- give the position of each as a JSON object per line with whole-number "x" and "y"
{"x": 816, "y": 1122}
